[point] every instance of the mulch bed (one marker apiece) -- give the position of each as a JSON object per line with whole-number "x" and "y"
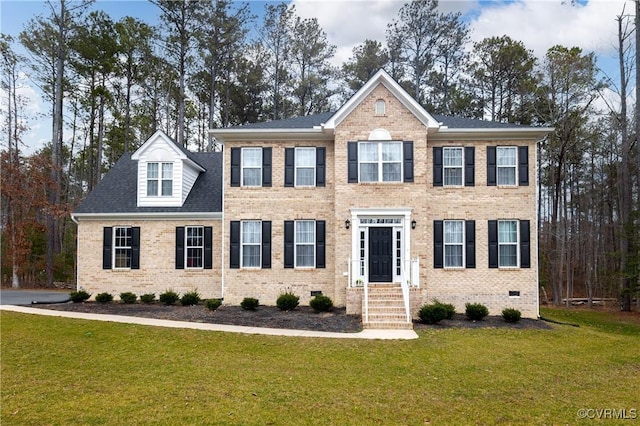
{"x": 301, "y": 318}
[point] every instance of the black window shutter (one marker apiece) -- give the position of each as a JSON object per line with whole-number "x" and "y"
{"x": 107, "y": 242}
{"x": 470, "y": 243}
{"x": 135, "y": 247}
{"x": 179, "y": 247}
{"x": 289, "y": 231}
{"x": 438, "y": 244}
{"x": 525, "y": 244}
{"x": 208, "y": 247}
{"x": 352, "y": 161}
{"x": 289, "y": 166}
{"x": 266, "y": 244}
{"x": 320, "y": 243}
{"x": 437, "y": 166}
{"x": 493, "y": 244}
{"x": 236, "y": 154}
{"x": 407, "y": 151}
{"x": 523, "y": 165}
{"x": 266, "y": 166}
{"x": 321, "y": 163}
{"x": 491, "y": 166}
{"x": 469, "y": 166}
{"x": 234, "y": 245}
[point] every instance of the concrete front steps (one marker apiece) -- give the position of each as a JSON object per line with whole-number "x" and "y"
{"x": 386, "y": 308}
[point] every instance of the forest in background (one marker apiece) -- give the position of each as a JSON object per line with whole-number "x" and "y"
{"x": 211, "y": 64}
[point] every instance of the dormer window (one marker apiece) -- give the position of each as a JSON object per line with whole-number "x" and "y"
{"x": 159, "y": 179}
{"x": 380, "y": 107}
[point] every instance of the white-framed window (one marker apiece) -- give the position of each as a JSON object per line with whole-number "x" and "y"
{"x": 452, "y": 166}
{"x": 251, "y": 239}
{"x": 251, "y": 166}
{"x": 305, "y": 174}
{"x": 305, "y": 243}
{"x": 380, "y": 161}
{"x": 122, "y": 239}
{"x": 453, "y": 243}
{"x": 194, "y": 245}
{"x": 380, "y": 107}
{"x": 508, "y": 243}
{"x": 506, "y": 164}
{"x": 160, "y": 179}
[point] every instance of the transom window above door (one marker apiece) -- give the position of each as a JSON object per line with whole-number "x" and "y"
{"x": 380, "y": 161}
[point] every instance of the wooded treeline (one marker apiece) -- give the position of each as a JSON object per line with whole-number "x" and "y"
{"x": 210, "y": 64}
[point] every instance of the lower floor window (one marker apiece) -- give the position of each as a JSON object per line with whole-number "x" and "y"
{"x": 453, "y": 243}
{"x": 508, "y": 243}
{"x": 195, "y": 246}
{"x": 305, "y": 243}
{"x": 251, "y": 239}
{"x": 122, "y": 247}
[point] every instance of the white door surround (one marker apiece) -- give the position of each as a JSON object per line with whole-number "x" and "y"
{"x": 399, "y": 220}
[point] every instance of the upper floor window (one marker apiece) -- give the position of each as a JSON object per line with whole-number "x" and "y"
{"x": 380, "y": 161}
{"x": 380, "y": 107}
{"x": 453, "y": 243}
{"x": 251, "y": 166}
{"x": 452, "y": 166}
{"x": 160, "y": 179}
{"x": 506, "y": 163}
{"x": 305, "y": 159}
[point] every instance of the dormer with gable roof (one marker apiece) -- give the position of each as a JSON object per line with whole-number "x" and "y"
{"x": 166, "y": 172}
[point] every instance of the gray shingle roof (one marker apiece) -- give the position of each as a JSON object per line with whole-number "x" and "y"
{"x": 116, "y": 192}
{"x": 310, "y": 121}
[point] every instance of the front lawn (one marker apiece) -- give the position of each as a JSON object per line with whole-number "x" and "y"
{"x": 72, "y": 372}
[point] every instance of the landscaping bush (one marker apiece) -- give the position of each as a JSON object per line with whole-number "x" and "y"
{"x": 287, "y": 301}
{"x": 213, "y": 304}
{"x": 511, "y": 315}
{"x": 475, "y": 311}
{"x": 190, "y": 298}
{"x": 79, "y": 296}
{"x": 128, "y": 298}
{"x": 104, "y": 298}
{"x": 432, "y": 314}
{"x": 449, "y": 309}
{"x": 321, "y": 303}
{"x": 148, "y": 298}
{"x": 249, "y": 304}
{"x": 169, "y": 297}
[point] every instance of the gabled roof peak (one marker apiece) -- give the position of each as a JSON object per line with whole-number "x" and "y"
{"x": 382, "y": 77}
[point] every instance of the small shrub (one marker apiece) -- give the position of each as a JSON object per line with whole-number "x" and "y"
{"x": 287, "y": 301}
{"x": 475, "y": 311}
{"x": 213, "y": 304}
{"x": 104, "y": 298}
{"x": 249, "y": 304}
{"x": 321, "y": 303}
{"x": 169, "y": 298}
{"x": 79, "y": 296}
{"x": 189, "y": 299}
{"x": 128, "y": 298}
{"x": 148, "y": 298}
{"x": 432, "y": 314}
{"x": 449, "y": 309}
{"x": 511, "y": 315}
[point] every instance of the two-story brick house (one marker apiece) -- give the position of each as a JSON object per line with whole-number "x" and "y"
{"x": 377, "y": 195}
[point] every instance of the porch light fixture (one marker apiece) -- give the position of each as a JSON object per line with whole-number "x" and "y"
{"x": 347, "y": 223}
{"x": 413, "y": 224}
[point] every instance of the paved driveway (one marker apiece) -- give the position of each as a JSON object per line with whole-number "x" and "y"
{"x": 27, "y": 297}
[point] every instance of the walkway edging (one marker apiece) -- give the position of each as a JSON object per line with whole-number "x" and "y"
{"x": 365, "y": 334}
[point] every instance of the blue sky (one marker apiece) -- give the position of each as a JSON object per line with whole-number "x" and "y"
{"x": 539, "y": 24}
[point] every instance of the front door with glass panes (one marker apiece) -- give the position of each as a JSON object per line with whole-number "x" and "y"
{"x": 381, "y": 249}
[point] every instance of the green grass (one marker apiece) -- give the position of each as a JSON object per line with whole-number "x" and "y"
{"x": 73, "y": 372}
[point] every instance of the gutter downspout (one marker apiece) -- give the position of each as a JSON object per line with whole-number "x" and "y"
{"x": 75, "y": 220}
{"x": 222, "y": 230}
